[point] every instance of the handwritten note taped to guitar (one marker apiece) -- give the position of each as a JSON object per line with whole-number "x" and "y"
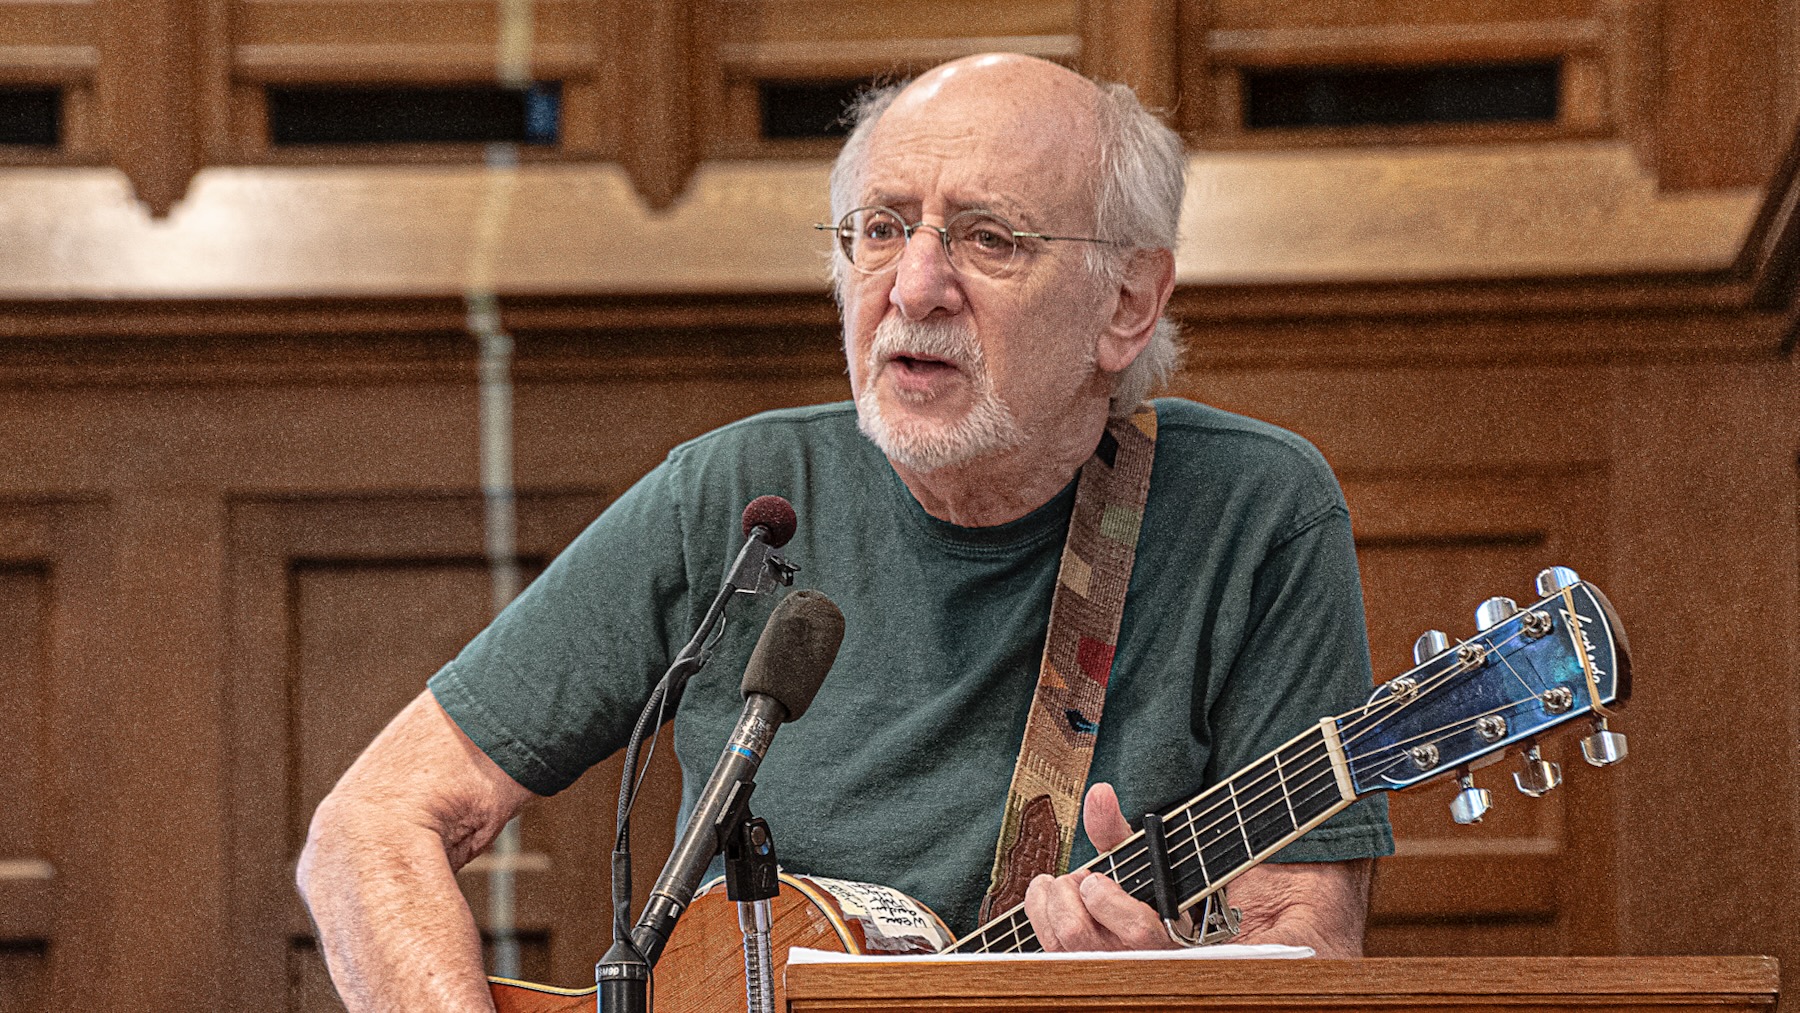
{"x": 891, "y": 921}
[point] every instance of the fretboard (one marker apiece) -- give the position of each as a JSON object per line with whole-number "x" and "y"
{"x": 1211, "y": 839}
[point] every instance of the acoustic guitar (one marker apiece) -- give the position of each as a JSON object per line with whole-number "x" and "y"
{"x": 1463, "y": 706}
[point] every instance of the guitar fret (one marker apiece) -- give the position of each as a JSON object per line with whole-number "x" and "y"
{"x": 1226, "y": 829}
{"x": 1237, "y": 813}
{"x": 1286, "y": 797}
{"x": 1193, "y": 828}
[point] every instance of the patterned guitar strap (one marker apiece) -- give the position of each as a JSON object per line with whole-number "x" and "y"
{"x": 1043, "y": 805}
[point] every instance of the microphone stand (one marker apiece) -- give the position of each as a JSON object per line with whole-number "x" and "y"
{"x": 752, "y": 879}
{"x": 623, "y": 973}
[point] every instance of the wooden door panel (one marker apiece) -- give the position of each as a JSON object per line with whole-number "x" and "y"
{"x": 344, "y": 609}
{"x": 23, "y": 930}
{"x": 1431, "y": 547}
{"x": 55, "y": 778}
{"x": 366, "y": 637}
{"x": 22, "y": 601}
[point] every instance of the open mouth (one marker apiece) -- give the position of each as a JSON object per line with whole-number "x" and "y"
{"x": 923, "y": 365}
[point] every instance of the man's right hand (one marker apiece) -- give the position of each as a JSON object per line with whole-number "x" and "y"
{"x": 378, "y": 870}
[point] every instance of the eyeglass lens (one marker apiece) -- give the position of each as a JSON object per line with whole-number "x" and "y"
{"x": 873, "y": 237}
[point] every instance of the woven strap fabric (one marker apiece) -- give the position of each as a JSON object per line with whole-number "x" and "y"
{"x": 1043, "y": 804}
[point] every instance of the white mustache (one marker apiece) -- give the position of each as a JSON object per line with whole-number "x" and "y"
{"x": 897, "y": 336}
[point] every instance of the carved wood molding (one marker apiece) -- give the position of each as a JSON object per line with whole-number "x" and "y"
{"x": 1771, "y": 253}
{"x": 868, "y": 57}
{"x": 1405, "y": 43}
{"x": 657, "y": 141}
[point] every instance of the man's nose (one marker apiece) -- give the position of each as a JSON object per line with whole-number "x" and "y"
{"x": 926, "y": 281}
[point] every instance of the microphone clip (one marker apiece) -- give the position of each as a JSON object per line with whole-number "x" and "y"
{"x": 759, "y": 568}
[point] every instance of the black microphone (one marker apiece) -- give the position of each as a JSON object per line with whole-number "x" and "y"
{"x": 768, "y": 523}
{"x": 795, "y": 651}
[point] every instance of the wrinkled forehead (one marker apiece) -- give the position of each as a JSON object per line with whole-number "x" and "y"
{"x": 1009, "y": 131}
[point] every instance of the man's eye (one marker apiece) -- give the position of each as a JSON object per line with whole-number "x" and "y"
{"x": 990, "y": 239}
{"x": 881, "y": 231}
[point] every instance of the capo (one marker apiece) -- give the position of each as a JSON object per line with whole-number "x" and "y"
{"x": 1218, "y": 921}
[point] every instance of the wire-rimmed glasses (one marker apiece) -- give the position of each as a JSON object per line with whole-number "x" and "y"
{"x": 872, "y": 237}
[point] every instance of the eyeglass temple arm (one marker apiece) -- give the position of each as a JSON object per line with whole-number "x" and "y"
{"x": 1066, "y": 239}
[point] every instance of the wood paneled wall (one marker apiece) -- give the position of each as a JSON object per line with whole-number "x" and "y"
{"x": 219, "y": 588}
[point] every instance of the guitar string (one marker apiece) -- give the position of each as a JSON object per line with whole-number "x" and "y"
{"x": 1309, "y": 783}
{"x": 1313, "y": 785}
{"x": 1352, "y": 730}
{"x": 1353, "y": 735}
{"x": 1017, "y": 925}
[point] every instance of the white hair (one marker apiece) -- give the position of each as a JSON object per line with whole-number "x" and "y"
{"x": 1138, "y": 189}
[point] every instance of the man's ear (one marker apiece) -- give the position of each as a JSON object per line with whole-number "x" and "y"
{"x": 1148, "y": 281}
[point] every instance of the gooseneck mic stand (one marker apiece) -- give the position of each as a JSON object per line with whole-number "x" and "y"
{"x": 752, "y": 879}
{"x": 623, "y": 974}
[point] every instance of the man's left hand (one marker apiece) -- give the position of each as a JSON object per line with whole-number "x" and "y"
{"x": 1316, "y": 904}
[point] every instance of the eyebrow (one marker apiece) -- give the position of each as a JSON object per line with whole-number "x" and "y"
{"x": 1001, "y": 206}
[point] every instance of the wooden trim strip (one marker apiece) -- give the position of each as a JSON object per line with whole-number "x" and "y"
{"x": 285, "y": 63}
{"x": 48, "y": 64}
{"x": 26, "y": 869}
{"x": 1368, "y": 983}
{"x": 1404, "y": 43}
{"x": 859, "y": 58}
{"x": 1771, "y": 252}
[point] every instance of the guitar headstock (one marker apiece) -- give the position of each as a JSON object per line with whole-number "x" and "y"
{"x": 1529, "y": 670}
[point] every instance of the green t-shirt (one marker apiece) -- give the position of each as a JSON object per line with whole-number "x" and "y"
{"x": 1243, "y": 625}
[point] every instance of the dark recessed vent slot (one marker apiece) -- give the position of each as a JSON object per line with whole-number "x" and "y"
{"x": 31, "y": 116}
{"x": 806, "y": 109}
{"x": 1395, "y": 96}
{"x": 459, "y": 114}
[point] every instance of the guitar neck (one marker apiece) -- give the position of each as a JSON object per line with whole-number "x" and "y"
{"x": 1215, "y": 836}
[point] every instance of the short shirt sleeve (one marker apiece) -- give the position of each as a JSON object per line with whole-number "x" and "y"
{"x": 555, "y": 683}
{"x": 1305, "y": 651}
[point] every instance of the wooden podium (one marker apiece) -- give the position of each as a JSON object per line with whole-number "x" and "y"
{"x": 1392, "y": 985}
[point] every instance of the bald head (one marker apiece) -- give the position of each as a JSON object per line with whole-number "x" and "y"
{"x": 1013, "y": 119}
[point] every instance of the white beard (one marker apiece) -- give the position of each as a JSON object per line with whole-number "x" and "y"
{"x": 988, "y": 427}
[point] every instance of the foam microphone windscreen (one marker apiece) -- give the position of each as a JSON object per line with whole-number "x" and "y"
{"x": 796, "y": 650}
{"x": 774, "y": 514}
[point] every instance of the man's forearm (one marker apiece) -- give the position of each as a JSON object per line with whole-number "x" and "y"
{"x": 393, "y": 927}
{"x": 1322, "y": 905}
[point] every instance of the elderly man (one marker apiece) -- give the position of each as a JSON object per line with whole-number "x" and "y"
{"x": 1005, "y": 254}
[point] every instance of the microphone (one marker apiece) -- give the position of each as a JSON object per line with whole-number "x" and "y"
{"x": 769, "y": 522}
{"x": 774, "y": 515}
{"x": 791, "y": 659}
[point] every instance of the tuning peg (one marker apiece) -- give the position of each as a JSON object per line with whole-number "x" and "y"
{"x": 1539, "y": 777}
{"x": 1470, "y": 803}
{"x": 1494, "y": 611}
{"x": 1552, "y": 579}
{"x": 1430, "y": 644}
{"x": 1603, "y": 748}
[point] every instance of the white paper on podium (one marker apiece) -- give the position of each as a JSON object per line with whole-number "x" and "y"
{"x": 1223, "y": 951}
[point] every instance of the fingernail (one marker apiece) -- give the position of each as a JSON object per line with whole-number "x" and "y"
{"x": 1089, "y": 885}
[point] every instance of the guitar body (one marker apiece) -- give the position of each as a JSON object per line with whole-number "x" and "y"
{"x": 702, "y": 969}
